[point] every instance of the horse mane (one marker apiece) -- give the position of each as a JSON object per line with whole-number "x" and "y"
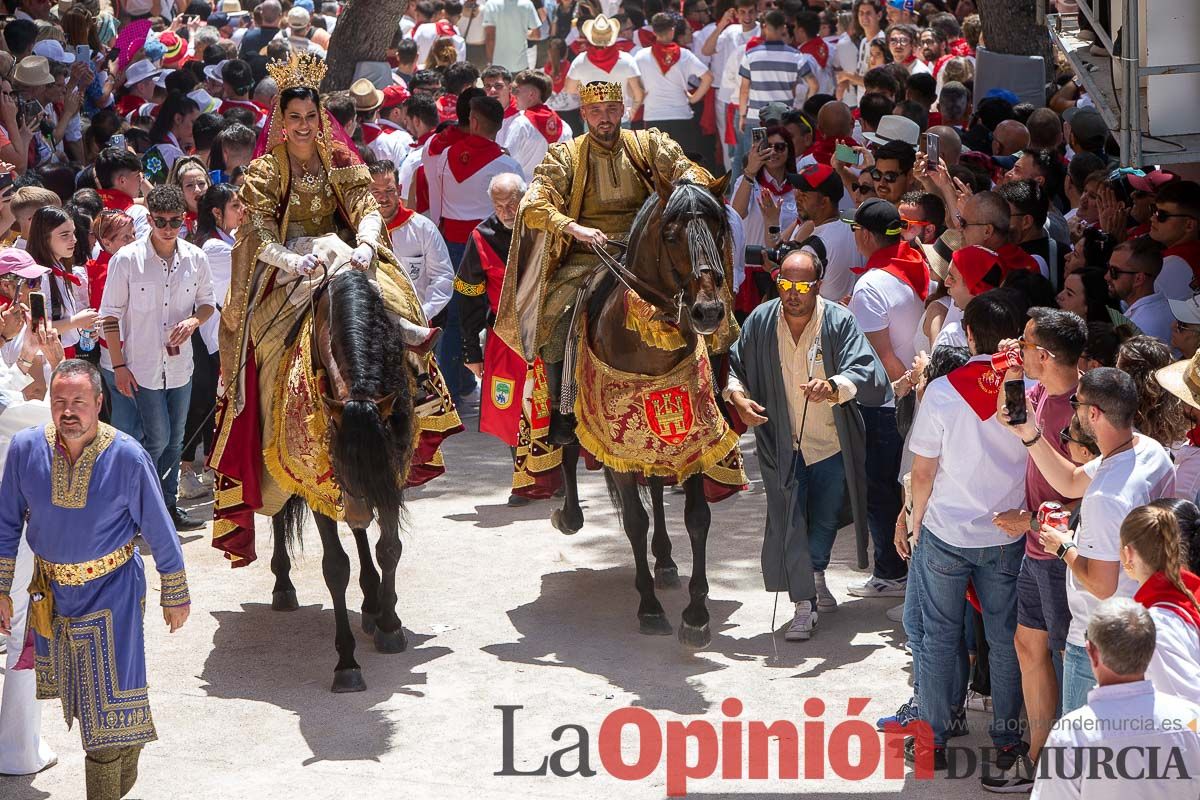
{"x": 370, "y": 454}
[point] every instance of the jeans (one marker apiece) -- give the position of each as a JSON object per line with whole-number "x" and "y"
{"x": 459, "y": 380}
{"x": 164, "y": 413}
{"x": 945, "y": 571}
{"x": 125, "y": 416}
{"x": 914, "y": 628}
{"x": 1077, "y": 678}
{"x": 885, "y": 496}
{"x": 821, "y": 507}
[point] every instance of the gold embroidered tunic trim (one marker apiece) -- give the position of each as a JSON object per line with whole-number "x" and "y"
{"x": 69, "y": 482}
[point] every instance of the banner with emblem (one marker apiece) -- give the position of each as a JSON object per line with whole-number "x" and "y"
{"x": 504, "y": 375}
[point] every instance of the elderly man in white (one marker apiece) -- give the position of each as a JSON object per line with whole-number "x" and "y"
{"x": 1150, "y": 746}
{"x": 416, "y": 241}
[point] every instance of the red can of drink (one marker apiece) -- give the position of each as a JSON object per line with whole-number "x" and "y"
{"x": 1045, "y": 508}
{"x": 1059, "y": 520}
{"x": 1006, "y": 360}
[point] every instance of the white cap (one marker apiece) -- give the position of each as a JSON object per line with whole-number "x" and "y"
{"x": 53, "y": 51}
{"x": 138, "y": 71}
{"x": 1187, "y": 311}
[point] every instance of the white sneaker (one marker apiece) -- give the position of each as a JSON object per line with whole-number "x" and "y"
{"x": 825, "y": 599}
{"x": 896, "y": 613}
{"x": 190, "y": 486}
{"x": 879, "y": 587}
{"x": 978, "y": 702}
{"x": 803, "y": 623}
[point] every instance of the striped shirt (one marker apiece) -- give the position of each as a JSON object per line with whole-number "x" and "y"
{"x": 773, "y": 69}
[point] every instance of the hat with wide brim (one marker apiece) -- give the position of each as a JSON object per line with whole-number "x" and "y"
{"x": 1182, "y": 379}
{"x": 601, "y": 31}
{"x": 366, "y": 97}
{"x": 33, "y": 71}
{"x": 895, "y": 128}
{"x": 940, "y": 252}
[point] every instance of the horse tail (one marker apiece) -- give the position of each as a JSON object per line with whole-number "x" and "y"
{"x": 294, "y": 514}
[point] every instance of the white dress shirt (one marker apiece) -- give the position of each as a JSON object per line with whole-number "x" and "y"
{"x": 150, "y": 295}
{"x": 391, "y": 145}
{"x": 421, "y": 250}
{"x": 1136, "y": 723}
{"x": 220, "y": 265}
{"x": 523, "y": 141}
{"x": 1153, "y": 317}
{"x": 468, "y": 200}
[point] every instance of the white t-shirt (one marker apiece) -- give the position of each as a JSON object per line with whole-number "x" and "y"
{"x": 1176, "y": 661}
{"x": 731, "y": 46}
{"x": 699, "y": 39}
{"x": 585, "y": 72}
{"x": 667, "y": 95}
{"x": 512, "y": 19}
{"x": 841, "y": 255}
{"x": 981, "y": 467}
{"x": 881, "y": 301}
{"x": 1119, "y": 484}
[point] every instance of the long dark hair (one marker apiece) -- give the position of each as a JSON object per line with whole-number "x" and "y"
{"x": 216, "y": 197}
{"x": 1188, "y": 516}
{"x": 176, "y": 103}
{"x": 45, "y": 220}
{"x": 1095, "y": 293}
{"x": 790, "y": 164}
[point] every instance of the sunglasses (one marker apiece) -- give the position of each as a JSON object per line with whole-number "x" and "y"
{"x": 889, "y": 177}
{"x": 778, "y": 147}
{"x": 860, "y": 188}
{"x": 1065, "y": 436}
{"x": 803, "y": 287}
{"x": 32, "y": 283}
{"x": 1163, "y": 216}
{"x": 1116, "y": 274}
{"x": 963, "y": 223}
{"x": 174, "y": 222}
{"x": 1183, "y": 327}
{"x": 1076, "y": 403}
{"x": 914, "y": 223}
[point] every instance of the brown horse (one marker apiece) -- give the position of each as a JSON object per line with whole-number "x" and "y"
{"x": 371, "y": 410}
{"x": 673, "y": 261}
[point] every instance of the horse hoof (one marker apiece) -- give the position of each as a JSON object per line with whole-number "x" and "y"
{"x": 368, "y": 622}
{"x": 390, "y": 641}
{"x": 284, "y": 600}
{"x": 559, "y": 521}
{"x": 694, "y": 637}
{"x": 666, "y": 577}
{"x": 654, "y": 625}
{"x": 348, "y": 680}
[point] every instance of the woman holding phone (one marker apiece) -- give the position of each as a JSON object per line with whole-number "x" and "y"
{"x": 52, "y": 245}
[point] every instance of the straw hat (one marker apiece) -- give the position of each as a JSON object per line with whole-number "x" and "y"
{"x": 366, "y": 97}
{"x": 1182, "y": 379}
{"x": 33, "y": 71}
{"x": 601, "y": 31}
{"x": 939, "y": 253}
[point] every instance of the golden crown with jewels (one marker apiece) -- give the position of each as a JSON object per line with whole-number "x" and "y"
{"x": 302, "y": 70}
{"x": 601, "y": 92}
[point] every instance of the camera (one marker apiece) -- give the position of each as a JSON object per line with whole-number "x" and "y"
{"x": 757, "y": 255}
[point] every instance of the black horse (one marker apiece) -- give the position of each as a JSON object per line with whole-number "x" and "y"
{"x": 674, "y": 262}
{"x": 359, "y": 347}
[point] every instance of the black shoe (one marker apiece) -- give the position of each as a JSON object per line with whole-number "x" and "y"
{"x": 1012, "y": 772}
{"x": 939, "y": 754}
{"x": 562, "y": 429}
{"x": 958, "y": 724}
{"x": 516, "y": 501}
{"x": 185, "y": 523}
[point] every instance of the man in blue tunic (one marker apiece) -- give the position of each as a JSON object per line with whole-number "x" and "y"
{"x": 88, "y": 490}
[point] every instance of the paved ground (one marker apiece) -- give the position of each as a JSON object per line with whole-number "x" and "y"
{"x": 500, "y": 609}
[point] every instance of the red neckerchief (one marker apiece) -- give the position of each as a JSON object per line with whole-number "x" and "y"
{"x": 941, "y": 62}
{"x": 189, "y": 221}
{"x": 959, "y": 47}
{"x": 1013, "y": 259}
{"x": 1193, "y": 436}
{"x": 823, "y": 146}
{"x": 904, "y": 262}
{"x": 695, "y": 26}
{"x": 445, "y": 28}
{"x": 445, "y": 138}
{"x": 604, "y": 58}
{"x": 403, "y": 215}
{"x": 816, "y": 48}
{"x": 115, "y": 199}
{"x": 447, "y": 106}
{"x": 754, "y": 42}
{"x": 557, "y": 83}
{"x": 66, "y": 275}
{"x": 624, "y": 45}
{"x": 249, "y": 105}
{"x": 129, "y": 104}
{"x": 645, "y": 36}
{"x": 1138, "y": 230}
{"x": 97, "y": 272}
{"x": 547, "y": 122}
{"x": 371, "y": 132}
{"x": 978, "y": 384}
{"x": 470, "y": 154}
{"x": 1189, "y": 252}
{"x": 1158, "y": 591}
{"x": 512, "y": 109}
{"x": 767, "y": 182}
{"x": 667, "y": 55}
{"x": 421, "y": 140}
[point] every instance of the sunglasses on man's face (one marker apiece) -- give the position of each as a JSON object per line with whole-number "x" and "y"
{"x": 1115, "y": 273}
{"x": 862, "y": 188}
{"x": 174, "y": 223}
{"x": 888, "y": 177}
{"x": 1162, "y": 215}
{"x": 803, "y": 287}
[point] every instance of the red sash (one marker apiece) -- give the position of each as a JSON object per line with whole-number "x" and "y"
{"x": 605, "y": 58}
{"x": 1158, "y": 591}
{"x": 1189, "y": 252}
{"x": 115, "y": 199}
{"x": 471, "y": 154}
{"x": 816, "y": 48}
{"x": 667, "y": 55}
{"x": 547, "y": 122}
{"x": 978, "y": 384}
{"x": 371, "y": 132}
{"x": 493, "y": 268}
{"x": 1013, "y": 259}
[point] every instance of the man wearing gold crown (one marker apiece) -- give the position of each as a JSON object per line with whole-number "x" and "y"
{"x": 584, "y": 193}
{"x": 306, "y": 182}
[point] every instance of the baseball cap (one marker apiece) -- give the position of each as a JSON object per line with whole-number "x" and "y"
{"x": 878, "y": 216}
{"x": 1151, "y": 181}
{"x": 298, "y": 19}
{"x": 979, "y": 267}
{"x": 393, "y": 96}
{"x": 1088, "y": 125}
{"x": 772, "y": 113}
{"x": 1187, "y": 311}
{"x": 218, "y": 19}
{"x": 14, "y": 261}
{"x": 53, "y": 51}
{"x": 818, "y": 178}
{"x": 902, "y": 5}
{"x": 307, "y": 5}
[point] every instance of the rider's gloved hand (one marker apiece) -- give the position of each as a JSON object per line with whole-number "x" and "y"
{"x": 360, "y": 259}
{"x": 304, "y": 265}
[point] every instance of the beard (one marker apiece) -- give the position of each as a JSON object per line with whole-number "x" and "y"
{"x": 71, "y": 428}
